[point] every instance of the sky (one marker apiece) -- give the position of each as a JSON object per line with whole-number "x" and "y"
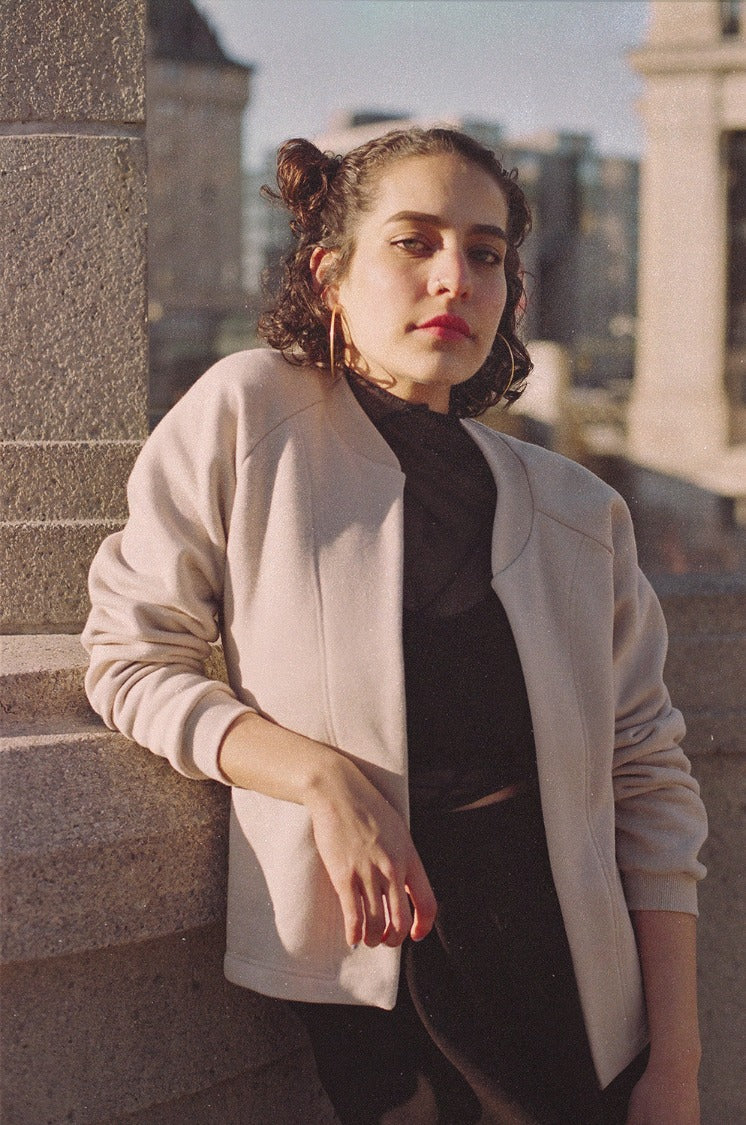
{"x": 530, "y": 65}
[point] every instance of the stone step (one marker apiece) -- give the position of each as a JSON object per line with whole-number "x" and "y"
{"x": 103, "y": 843}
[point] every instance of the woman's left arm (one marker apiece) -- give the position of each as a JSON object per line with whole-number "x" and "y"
{"x": 667, "y": 1092}
{"x": 660, "y": 827}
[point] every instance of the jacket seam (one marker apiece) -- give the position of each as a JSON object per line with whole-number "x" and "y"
{"x": 318, "y": 607}
{"x": 587, "y": 535}
{"x": 597, "y": 847}
{"x": 538, "y": 509}
{"x": 277, "y": 425}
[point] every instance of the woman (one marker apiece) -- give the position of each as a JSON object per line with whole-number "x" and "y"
{"x": 364, "y": 545}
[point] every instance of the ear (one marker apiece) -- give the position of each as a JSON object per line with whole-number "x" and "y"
{"x": 320, "y": 263}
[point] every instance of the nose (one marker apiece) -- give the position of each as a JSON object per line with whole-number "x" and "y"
{"x": 451, "y": 274}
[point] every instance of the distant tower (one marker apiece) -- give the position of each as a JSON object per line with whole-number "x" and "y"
{"x": 688, "y": 410}
{"x": 196, "y": 96}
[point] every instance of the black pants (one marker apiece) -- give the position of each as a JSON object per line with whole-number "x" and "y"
{"x": 487, "y": 1009}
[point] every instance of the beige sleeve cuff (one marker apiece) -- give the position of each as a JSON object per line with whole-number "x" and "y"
{"x": 644, "y": 891}
{"x": 205, "y": 730}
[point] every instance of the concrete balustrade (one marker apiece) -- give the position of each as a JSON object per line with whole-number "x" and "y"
{"x": 113, "y": 876}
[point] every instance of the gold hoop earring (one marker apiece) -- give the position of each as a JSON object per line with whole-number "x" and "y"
{"x": 337, "y": 311}
{"x": 512, "y": 360}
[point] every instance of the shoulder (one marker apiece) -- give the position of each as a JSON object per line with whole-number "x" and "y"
{"x": 243, "y": 397}
{"x": 257, "y": 378}
{"x": 562, "y": 489}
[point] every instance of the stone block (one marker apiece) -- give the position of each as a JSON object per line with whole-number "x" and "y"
{"x": 44, "y": 573}
{"x": 41, "y": 686}
{"x": 104, "y": 844}
{"x": 96, "y": 1037}
{"x": 72, "y": 279}
{"x": 706, "y": 668}
{"x": 65, "y": 480}
{"x": 72, "y": 62}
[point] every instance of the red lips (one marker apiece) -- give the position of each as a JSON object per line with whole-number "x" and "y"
{"x": 447, "y": 325}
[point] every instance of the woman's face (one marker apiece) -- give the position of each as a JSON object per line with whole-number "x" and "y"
{"x": 425, "y": 289}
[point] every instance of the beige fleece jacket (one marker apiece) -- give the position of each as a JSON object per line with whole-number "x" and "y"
{"x": 267, "y": 502}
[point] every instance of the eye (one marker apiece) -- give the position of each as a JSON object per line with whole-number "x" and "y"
{"x": 412, "y": 244}
{"x": 487, "y": 255}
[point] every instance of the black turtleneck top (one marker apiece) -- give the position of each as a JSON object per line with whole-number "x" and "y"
{"x": 468, "y": 719}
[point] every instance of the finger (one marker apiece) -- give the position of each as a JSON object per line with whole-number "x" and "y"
{"x": 399, "y": 915}
{"x": 374, "y": 913}
{"x": 352, "y": 912}
{"x": 423, "y": 901}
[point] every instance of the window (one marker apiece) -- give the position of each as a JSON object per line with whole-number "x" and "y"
{"x": 730, "y": 17}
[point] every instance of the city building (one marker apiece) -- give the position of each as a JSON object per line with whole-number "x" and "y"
{"x": 196, "y": 97}
{"x": 687, "y": 415}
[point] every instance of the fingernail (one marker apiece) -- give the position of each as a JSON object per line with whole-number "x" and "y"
{"x": 355, "y": 945}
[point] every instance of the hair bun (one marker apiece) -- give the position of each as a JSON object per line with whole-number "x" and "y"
{"x": 304, "y": 176}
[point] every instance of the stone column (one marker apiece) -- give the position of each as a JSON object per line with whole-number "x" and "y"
{"x": 72, "y": 256}
{"x": 679, "y": 415}
{"x": 113, "y": 868}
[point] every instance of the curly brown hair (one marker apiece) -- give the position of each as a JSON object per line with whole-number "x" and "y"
{"x": 325, "y": 194}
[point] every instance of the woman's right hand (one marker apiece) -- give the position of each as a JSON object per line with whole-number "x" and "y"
{"x": 363, "y": 842}
{"x": 370, "y": 858}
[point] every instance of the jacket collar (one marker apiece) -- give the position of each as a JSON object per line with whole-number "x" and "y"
{"x": 515, "y": 504}
{"x": 355, "y": 428}
{"x": 515, "y": 509}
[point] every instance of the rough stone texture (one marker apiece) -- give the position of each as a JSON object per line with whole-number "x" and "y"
{"x": 707, "y": 654}
{"x": 277, "y": 1093}
{"x": 722, "y": 924}
{"x": 65, "y": 480}
{"x": 72, "y": 62}
{"x": 122, "y": 1030}
{"x": 44, "y": 573}
{"x": 113, "y": 885}
{"x": 133, "y": 853}
{"x": 72, "y": 271}
{"x": 41, "y": 688}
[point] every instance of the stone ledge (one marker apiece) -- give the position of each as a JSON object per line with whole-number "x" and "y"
{"x": 122, "y": 1031}
{"x": 104, "y": 844}
{"x": 286, "y": 1092}
{"x": 42, "y": 689}
{"x": 714, "y": 731}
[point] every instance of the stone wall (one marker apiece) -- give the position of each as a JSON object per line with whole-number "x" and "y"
{"x": 707, "y": 656}
{"x": 72, "y": 283}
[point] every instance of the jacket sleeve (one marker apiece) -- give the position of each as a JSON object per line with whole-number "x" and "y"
{"x": 660, "y": 819}
{"x": 156, "y": 586}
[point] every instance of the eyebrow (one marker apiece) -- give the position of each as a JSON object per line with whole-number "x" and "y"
{"x": 436, "y": 220}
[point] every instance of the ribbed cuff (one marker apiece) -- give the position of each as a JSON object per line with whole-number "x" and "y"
{"x": 205, "y": 729}
{"x": 644, "y": 891}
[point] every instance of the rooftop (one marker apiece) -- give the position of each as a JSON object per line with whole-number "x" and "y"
{"x": 177, "y": 31}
